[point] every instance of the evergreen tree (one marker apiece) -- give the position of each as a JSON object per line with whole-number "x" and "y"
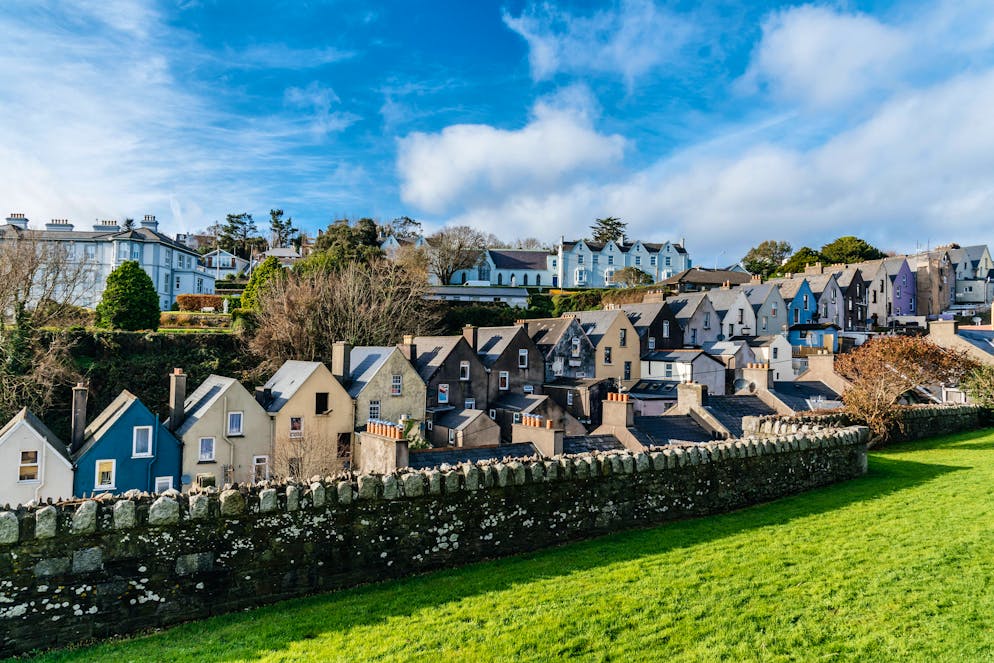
{"x": 239, "y": 234}
{"x": 261, "y": 276}
{"x": 282, "y": 229}
{"x": 766, "y": 258}
{"x": 609, "y": 229}
{"x": 850, "y": 249}
{"x": 797, "y": 262}
{"x": 129, "y": 301}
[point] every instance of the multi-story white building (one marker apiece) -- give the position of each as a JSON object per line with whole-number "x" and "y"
{"x": 586, "y": 264}
{"x": 174, "y": 268}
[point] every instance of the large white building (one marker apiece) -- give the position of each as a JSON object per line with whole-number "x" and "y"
{"x": 174, "y": 268}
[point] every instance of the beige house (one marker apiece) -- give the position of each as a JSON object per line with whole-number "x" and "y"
{"x": 312, "y": 417}
{"x": 34, "y": 463}
{"x": 227, "y": 435}
{"x": 616, "y": 343}
{"x": 383, "y": 384}
{"x": 465, "y": 428}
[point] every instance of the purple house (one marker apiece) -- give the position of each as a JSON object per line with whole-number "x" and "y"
{"x": 891, "y": 289}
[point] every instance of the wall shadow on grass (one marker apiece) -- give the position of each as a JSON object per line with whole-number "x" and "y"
{"x": 278, "y": 627}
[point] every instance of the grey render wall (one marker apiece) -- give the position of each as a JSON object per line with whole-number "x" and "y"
{"x": 93, "y": 569}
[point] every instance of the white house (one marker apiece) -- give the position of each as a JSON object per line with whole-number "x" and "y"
{"x": 174, "y": 268}
{"x": 588, "y": 264}
{"x": 685, "y": 365}
{"x": 510, "y": 267}
{"x": 35, "y": 464}
{"x": 224, "y": 264}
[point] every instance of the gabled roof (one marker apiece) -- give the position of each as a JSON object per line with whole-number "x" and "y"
{"x": 983, "y": 340}
{"x": 519, "y": 402}
{"x": 699, "y": 276}
{"x": 492, "y": 342}
{"x": 287, "y": 380}
{"x": 759, "y": 341}
{"x": 757, "y": 294}
{"x": 579, "y": 444}
{"x": 199, "y": 402}
{"x": 722, "y": 299}
{"x": 595, "y": 323}
{"x": 135, "y": 235}
{"x": 686, "y": 304}
{"x": 33, "y": 422}
{"x": 460, "y": 419}
{"x": 653, "y": 389}
{"x": 677, "y": 355}
{"x": 432, "y": 353}
{"x": 364, "y": 362}
{"x": 546, "y": 332}
{"x": 423, "y": 460}
{"x": 723, "y": 348}
{"x": 642, "y": 315}
{"x": 669, "y": 428}
{"x": 519, "y": 259}
{"x": 789, "y": 287}
{"x": 802, "y": 396}
{"x": 729, "y": 410}
{"x": 106, "y": 420}
{"x": 819, "y": 282}
{"x": 845, "y": 277}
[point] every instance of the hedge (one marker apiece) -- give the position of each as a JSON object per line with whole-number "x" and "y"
{"x": 199, "y": 302}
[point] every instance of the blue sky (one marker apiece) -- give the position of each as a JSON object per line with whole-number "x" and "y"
{"x": 722, "y": 122}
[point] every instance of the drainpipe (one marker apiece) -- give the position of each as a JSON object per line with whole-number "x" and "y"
{"x": 151, "y": 461}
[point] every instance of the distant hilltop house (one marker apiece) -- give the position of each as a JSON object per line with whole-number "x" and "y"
{"x": 224, "y": 263}
{"x": 174, "y": 267}
{"x": 574, "y": 264}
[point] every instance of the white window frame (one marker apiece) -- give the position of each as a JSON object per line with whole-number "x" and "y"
{"x": 523, "y": 358}
{"x": 575, "y": 350}
{"x": 163, "y": 480}
{"x": 608, "y": 355}
{"x": 666, "y": 329}
{"x": 36, "y": 465}
{"x": 652, "y": 343}
{"x": 493, "y": 413}
{"x": 396, "y": 384}
{"x": 470, "y": 404}
{"x": 296, "y": 434}
{"x": 134, "y": 442}
{"x": 503, "y": 381}
{"x": 206, "y": 458}
{"x": 113, "y": 475}
{"x": 452, "y": 437}
{"x": 241, "y": 423}
{"x": 256, "y": 464}
{"x": 443, "y": 394}
{"x": 463, "y": 371}
{"x": 516, "y": 418}
{"x": 569, "y": 398}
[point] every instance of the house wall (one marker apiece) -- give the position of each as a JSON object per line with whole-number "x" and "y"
{"x": 740, "y": 319}
{"x": 204, "y": 554}
{"x": 854, "y": 313}
{"x": 782, "y": 364}
{"x": 561, "y": 362}
{"x": 702, "y": 369}
{"x": 237, "y": 451}
{"x": 771, "y": 318}
{"x": 414, "y": 393}
{"x": 459, "y": 390}
{"x": 55, "y": 475}
{"x": 630, "y": 352}
{"x": 118, "y": 444}
{"x": 935, "y": 280}
{"x": 518, "y": 378}
{"x": 831, "y": 304}
{"x": 703, "y": 326}
{"x": 905, "y": 291}
{"x": 667, "y": 336}
{"x": 595, "y": 265}
{"x": 801, "y": 308}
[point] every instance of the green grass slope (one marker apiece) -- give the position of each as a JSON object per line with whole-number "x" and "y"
{"x": 895, "y": 566}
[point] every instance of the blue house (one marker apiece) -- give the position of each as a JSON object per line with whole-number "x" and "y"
{"x": 821, "y": 335}
{"x": 126, "y": 447}
{"x": 800, "y": 298}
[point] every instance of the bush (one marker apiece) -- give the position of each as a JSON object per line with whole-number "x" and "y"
{"x": 199, "y": 302}
{"x": 129, "y": 301}
{"x": 194, "y": 320}
{"x": 261, "y": 276}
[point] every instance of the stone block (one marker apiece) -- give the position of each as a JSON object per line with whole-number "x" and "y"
{"x": 518, "y": 473}
{"x": 124, "y": 514}
{"x": 345, "y": 492}
{"x": 84, "y": 520}
{"x": 194, "y": 563}
{"x": 504, "y": 478}
{"x": 164, "y": 511}
{"x": 582, "y": 468}
{"x": 53, "y": 566}
{"x": 551, "y": 470}
{"x": 87, "y": 560}
{"x": 471, "y": 477}
{"x": 642, "y": 463}
{"x": 450, "y": 481}
{"x": 292, "y": 498}
{"x": 317, "y": 494}
{"x": 434, "y": 482}
{"x": 200, "y": 506}
{"x": 9, "y": 528}
{"x": 268, "y": 500}
{"x": 391, "y": 490}
{"x": 414, "y": 484}
{"x": 46, "y": 522}
{"x": 628, "y": 464}
{"x": 658, "y": 460}
{"x": 536, "y": 471}
{"x": 232, "y": 503}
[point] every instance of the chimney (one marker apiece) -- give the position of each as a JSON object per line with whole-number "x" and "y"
{"x": 18, "y": 220}
{"x": 341, "y": 356}
{"x": 58, "y": 224}
{"x": 106, "y": 226}
{"x": 756, "y": 278}
{"x": 409, "y": 349}
{"x": 150, "y": 222}
{"x": 815, "y": 268}
{"x": 942, "y": 331}
{"x": 690, "y": 394}
{"x": 523, "y": 324}
{"x": 759, "y": 375}
{"x": 546, "y": 438}
{"x": 472, "y": 335}
{"x": 177, "y": 398}
{"x": 77, "y": 422}
{"x": 618, "y": 410}
{"x": 263, "y": 396}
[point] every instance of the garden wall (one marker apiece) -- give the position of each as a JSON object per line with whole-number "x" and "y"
{"x": 97, "y": 568}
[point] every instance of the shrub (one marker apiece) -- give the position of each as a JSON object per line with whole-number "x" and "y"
{"x": 129, "y": 302}
{"x": 199, "y": 302}
{"x": 262, "y": 275}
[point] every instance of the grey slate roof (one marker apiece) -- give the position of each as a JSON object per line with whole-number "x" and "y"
{"x": 757, "y": 294}
{"x": 595, "y": 323}
{"x": 103, "y": 422}
{"x": 729, "y": 410}
{"x": 519, "y": 259}
{"x": 788, "y": 287}
{"x": 642, "y": 315}
{"x": 432, "y": 352}
{"x": 670, "y": 428}
{"x": 981, "y": 339}
{"x": 723, "y": 348}
{"x": 684, "y": 305}
{"x": 699, "y": 276}
{"x": 678, "y": 355}
{"x": 546, "y": 332}
{"x": 819, "y": 282}
{"x": 364, "y": 362}
{"x": 519, "y": 402}
{"x": 135, "y": 235}
{"x": 492, "y": 342}
{"x": 429, "y": 458}
{"x": 479, "y": 291}
{"x": 578, "y": 444}
{"x": 459, "y": 419}
{"x": 722, "y": 299}
{"x": 200, "y": 401}
{"x": 287, "y": 380}
{"x": 654, "y": 389}
{"x": 39, "y": 427}
{"x": 802, "y": 396}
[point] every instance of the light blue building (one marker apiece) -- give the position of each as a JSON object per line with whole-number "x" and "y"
{"x": 587, "y": 264}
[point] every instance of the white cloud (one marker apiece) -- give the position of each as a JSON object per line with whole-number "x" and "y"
{"x": 470, "y": 163}
{"x": 822, "y": 57}
{"x": 319, "y": 99}
{"x": 631, "y": 39}
{"x": 281, "y": 56}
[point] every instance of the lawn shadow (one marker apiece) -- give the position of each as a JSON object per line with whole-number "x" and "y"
{"x": 368, "y": 605}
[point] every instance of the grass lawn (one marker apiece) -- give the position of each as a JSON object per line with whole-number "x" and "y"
{"x": 897, "y": 566}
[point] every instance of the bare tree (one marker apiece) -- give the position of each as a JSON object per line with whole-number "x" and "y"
{"x": 308, "y": 455}
{"x": 530, "y": 244}
{"x": 301, "y": 316}
{"x": 454, "y": 248}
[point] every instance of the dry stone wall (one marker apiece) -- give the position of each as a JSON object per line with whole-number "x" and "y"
{"x": 96, "y": 568}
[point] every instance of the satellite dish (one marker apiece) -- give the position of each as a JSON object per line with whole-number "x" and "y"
{"x": 741, "y": 384}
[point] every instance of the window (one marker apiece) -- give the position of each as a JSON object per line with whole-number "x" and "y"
{"x": 517, "y": 418}
{"x": 594, "y": 259}
{"x": 296, "y": 427}
{"x": 707, "y": 320}
{"x": 741, "y": 316}
{"x": 579, "y": 260}
{"x": 607, "y": 355}
{"x": 235, "y": 423}
{"x": 628, "y": 371}
{"x": 897, "y": 292}
{"x": 622, "y": 338}
{"x": 443, "y": 394}
{"x": 500, "y": 279}
{"x": 805, "y": 302}
{"x": 429, "y": 424}
{"x": 524, "y": 279}
{"x": 610, "y": 260}
{"x": 576, "y": 346}
{"x": 824, "y": 310}
{"x": 638, "y": 260}
{"x": 503, "y": 380}
{"x": 206, "y": 450}
{"x": 538, "y": 279}
{"x": 693, "y": 336}
{"x": 28, "y": 469}
{"x": 464, "y": 370}
{"x": 470, "y": 403}
{"x": 569, "y": 398}
{"x": 177, "y": 283}
{"x": 666, "y": 329}
{"x": 554, "y": 262}
{"x": 106, "y": 470}
{"x": 528, "y": 389}
{"x": 396, "y": 384}
{"x": 452, "y": 436}
{"x": 652, "y": 260}
{"x": 668, "y": 369}
{"x": 874, "y": 298}
{"x": 776, "y": 353}
{"x": 773, "y": 311}
{"x": 667, "y": 261}
{"x": 493, "y": 413}
{"x": 91, "y": 251}
{"x": 162, "y": 484}
{"x": 522, "y": 358}
{"x": 206, "y": 479}
{"x": 374, "y": 409}
{"x": 321, "y": 402}
{"x": 652, "y": 342}
{"x": 141, "y": 446}
{"x": 797, "y": 316}
{"x": 200, "y": 285}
